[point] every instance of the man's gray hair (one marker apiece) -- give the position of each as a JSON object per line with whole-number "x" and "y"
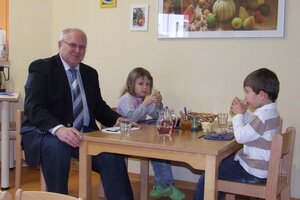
{"x": 68, "y": 30}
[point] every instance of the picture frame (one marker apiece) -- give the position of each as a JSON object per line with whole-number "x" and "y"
{"x": 139, "y": 18}
{"x": 189, "y": 19}
{"x": 108, "y": 3}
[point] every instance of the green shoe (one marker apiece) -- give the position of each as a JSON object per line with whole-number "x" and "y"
{"x": 159, "y": 191}
{"x": 177, "y": 194}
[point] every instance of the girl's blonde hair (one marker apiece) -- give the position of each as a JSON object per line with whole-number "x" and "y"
{"x": 136, "y": 73}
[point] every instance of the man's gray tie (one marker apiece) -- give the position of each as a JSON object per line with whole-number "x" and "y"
{"x": 77, "y": 101}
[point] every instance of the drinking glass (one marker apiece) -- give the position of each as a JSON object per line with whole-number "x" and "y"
{"x": 125, "y": 125}
{"x": 223, "y": 120}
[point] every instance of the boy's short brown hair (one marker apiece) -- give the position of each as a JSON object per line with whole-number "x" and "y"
{"x": 263, "y": 80}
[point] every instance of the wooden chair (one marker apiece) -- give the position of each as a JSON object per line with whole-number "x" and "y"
{"x": 279, "y": 175}
{"x": 20, "y": 156}
{"x": 5, "y": 195}
{"x": 42, "y": 195}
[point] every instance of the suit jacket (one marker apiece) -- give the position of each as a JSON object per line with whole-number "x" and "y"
{"x": 48, "y": 102}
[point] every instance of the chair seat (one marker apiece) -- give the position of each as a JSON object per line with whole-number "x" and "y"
{"x": 253, "y": 190}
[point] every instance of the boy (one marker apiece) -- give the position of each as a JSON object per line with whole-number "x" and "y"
{"x": 254, "y": 131}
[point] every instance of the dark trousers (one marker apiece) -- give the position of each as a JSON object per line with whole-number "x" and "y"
{"x": 230, "y": 170}
{"x": 55, "y": 159}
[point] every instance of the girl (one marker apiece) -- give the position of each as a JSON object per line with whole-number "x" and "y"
{"x": 136, "y": 102}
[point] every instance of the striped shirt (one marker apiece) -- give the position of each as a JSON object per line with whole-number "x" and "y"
{"x": 255, "y": 131}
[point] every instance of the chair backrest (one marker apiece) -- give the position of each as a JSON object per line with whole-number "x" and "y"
{"x": 41, "y": 195}
{"x": 280, "y": 163}
{"x": 5, "y": 195}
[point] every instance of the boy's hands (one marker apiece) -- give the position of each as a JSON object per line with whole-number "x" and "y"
{"x": 238, "y": 106}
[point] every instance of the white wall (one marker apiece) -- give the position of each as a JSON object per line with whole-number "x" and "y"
{"x": 202, "y": 74}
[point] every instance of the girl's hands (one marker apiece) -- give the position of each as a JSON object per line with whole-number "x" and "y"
{"x": 238, "y": 106}
{"x": 158, "y": 97}
{"x": 120, "y": 119}
{"x": 153, "y": 98}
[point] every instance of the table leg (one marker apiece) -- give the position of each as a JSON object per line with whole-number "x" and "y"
{"x": 5, "y": 145}
{"x": 85, "y": 180}
{"x": 144, "y": 179}
{"x": 211, "y": 174}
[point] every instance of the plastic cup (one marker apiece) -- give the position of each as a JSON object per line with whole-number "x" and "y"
{"x": 223, "y": 120}
{"x": 125, "y": 125}
{"x": 185, "y": 125}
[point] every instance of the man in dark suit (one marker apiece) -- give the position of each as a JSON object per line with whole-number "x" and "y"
{"x": 49, "y": 136}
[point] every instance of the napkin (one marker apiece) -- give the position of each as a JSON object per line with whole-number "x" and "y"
{"x": 116, "y": 129}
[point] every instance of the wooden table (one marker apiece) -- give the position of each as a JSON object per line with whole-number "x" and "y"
{"x": 146, "y": 143}
{"x": 5, "y": 101}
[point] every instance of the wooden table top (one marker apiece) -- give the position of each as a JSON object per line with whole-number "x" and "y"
{"x": 147, "y": 137}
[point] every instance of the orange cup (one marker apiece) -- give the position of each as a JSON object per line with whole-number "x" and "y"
{"x": 185, "y": 125}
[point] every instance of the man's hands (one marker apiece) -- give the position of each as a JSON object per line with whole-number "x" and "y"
{"x": 69, "y": 135}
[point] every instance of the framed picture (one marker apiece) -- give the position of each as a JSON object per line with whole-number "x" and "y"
{"x": 220, "y": 18}
{"x": 139, "y": 18}
{"x": 108, "y": 3}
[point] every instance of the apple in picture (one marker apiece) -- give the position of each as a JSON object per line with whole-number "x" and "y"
{"x": 237, "y": 23}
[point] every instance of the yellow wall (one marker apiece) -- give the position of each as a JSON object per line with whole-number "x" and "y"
{"x": 202, "y": 74}
{"x": 4, "y": 15}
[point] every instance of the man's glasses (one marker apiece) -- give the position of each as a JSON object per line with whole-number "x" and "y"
{"x": 74, "y": 46}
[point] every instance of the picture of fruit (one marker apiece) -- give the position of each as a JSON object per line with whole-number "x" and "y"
{"x": 253, "y": 4}
{"x": 260, "y": 2}
{"x": 189, "y": 13}
{"x": 206, "y": 12}
{"x": 138, "y": 17}
{"x": 224, "y": 9}
{"x": 237, "y": 23}
{"x": 249, "y": 23}
{"x": 243, "y": 13}
{"x": 259, "y": 18}
{"x": 141, "y": 22}
{"x": 241, "y": 16}
{"x": 198, "y": 13}
{"x": 264, "y": 9}
{"x": 211, "y": 21}
{"x": 202, "y": 3}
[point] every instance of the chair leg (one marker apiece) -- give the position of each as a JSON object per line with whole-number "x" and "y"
{"x": 18, "y": 166}
{"x": 286, "y": 193}
{"x": 101, "y": 190}
{"x": 43, "y": 183}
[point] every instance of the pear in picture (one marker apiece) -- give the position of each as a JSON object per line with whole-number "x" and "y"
{"x": 243, "y": 13}
{"x": 249, "y": 23}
